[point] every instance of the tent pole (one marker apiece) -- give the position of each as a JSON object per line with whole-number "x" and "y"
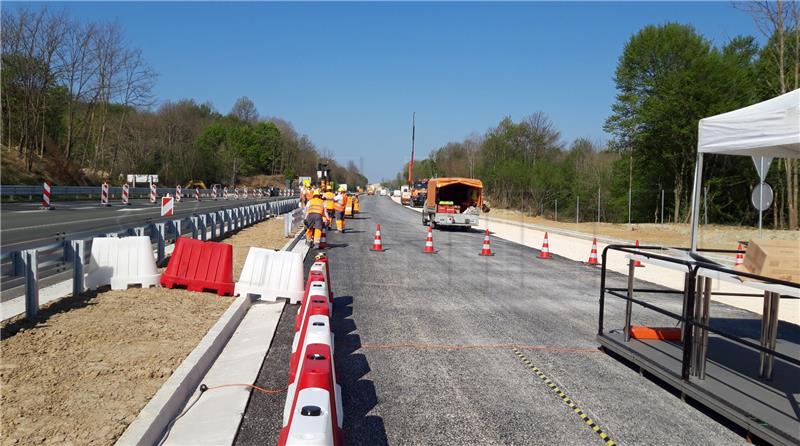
{"x": 698, "y": 182}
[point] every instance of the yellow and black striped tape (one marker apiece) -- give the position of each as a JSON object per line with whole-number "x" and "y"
{"x": 565, "y": 398}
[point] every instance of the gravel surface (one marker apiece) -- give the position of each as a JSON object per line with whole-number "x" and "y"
{"x": 83, "y": 370}
{"x": 423, "y": 347}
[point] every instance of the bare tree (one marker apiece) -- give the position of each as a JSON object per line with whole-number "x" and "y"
{"x": 245, "y": 110}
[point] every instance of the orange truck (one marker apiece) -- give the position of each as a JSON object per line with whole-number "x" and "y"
{"x": 455, "y": 202}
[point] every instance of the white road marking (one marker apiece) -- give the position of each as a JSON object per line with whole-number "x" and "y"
{"x": 136, "y": 209}
{"x": 28, "y": 212}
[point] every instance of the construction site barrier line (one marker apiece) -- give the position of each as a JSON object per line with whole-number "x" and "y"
{"x": 589, "y": 422}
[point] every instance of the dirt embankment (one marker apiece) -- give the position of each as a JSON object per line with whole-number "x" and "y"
{"x": 84, "y": 369}
{"x": 668, "y": 234}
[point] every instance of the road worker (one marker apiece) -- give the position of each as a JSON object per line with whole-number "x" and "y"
{"x": 356, "y": 205}
{"x": 314, "y": 220}
{"x": 329, "y": 204}
{"x": 339, "y": 202}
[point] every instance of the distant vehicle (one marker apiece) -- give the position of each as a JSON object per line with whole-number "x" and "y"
{"x": 396, "y": 193}
{"x": 418, "y": 193}
{"x": 405, "y": 195}
{"x": 453, "y": 202}
{"x": 383, "y": 192}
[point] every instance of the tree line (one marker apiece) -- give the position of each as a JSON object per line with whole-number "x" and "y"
{"x": 667, "y": 78}
{"x": 77, "y": 93}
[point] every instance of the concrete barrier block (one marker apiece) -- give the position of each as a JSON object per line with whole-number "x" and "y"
{"x": 271, "y": 274}
{"x": 121, "y": 262}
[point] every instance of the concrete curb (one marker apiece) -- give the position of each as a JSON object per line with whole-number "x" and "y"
{"x": 150, "y": 425}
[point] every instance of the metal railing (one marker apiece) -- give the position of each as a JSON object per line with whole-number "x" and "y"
{"x": 694, "y": 323}
{"x": 35, "y": 192}
{"x": 24, "y": 272}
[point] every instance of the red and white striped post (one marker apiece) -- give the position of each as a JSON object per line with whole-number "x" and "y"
{"x": 152, "y": 193}
{"x": 125, "y": 193}
{"x": 104, "y": 195}
{"x": 214, "y": 192}
{"x": 178, "y": 193}
{"x": 197, "y": 194}
{"x": 225, "y": 192}
{"x": 46, "y": 196}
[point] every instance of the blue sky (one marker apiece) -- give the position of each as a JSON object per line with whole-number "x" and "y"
{"x": 349, "y": 75}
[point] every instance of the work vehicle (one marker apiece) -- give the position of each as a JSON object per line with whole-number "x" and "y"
{"x": 453, "y": 202}
{"x": 396, "y": 193}
{"x": 192, "y": 184}
{"x": 405, "y": 195}
{"x": 383, "y": 192}
{"x": 418, "y": 193}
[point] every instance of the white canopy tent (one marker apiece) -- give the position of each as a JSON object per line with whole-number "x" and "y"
{"x": 767, "y": 129}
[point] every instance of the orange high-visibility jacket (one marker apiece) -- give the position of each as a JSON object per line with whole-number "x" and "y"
{"x": 329, "y": 201}
{"x": 315, "y": 206}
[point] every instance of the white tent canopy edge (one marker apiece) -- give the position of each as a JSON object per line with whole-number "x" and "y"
{"x": 770, "y": 128}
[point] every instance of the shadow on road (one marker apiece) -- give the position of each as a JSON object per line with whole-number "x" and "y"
{"x": 358, "y": 395}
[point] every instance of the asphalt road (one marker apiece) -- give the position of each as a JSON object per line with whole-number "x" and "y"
{"x": 24, "y": 225}
{"x": 423, "y": 347}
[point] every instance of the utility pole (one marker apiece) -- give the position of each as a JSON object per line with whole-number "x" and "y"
{"x": 413, "y": 134}
{"x": 577, "y": 209}
{"x": 662, "y": 206}
{"x": 598, "y": 204}
{"x": 630, "y": 186}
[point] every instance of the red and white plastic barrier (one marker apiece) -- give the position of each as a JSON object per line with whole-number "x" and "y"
{"x": 197, "y": 194}
{"x": 225, "y": 193}
{"x": 214, "y": 192}
{"x": 178, "y": 193}
{"x": 152, "y": 193}
{"x": 313, "y": 414}
{"x": 104, "y": 195}
{"x": 46, "y": 196}
{"x": 125, "y": 194}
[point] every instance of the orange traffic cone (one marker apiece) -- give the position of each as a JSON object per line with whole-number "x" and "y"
{"x": 593, "y": 254}
{"x": 739, "y": 255}
{"x": 545, "y": 253}
{"x": 637, "y": 263}
{"x": 487, "y": 249}
{"x": 323, "y": 242}
{"x": 429, "y": 243}
{"x": 377, "y": 245}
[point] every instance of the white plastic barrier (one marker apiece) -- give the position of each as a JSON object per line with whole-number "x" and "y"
{"x": 121, "y": 262}
{"x": 271, "y": 274}
{"x": 312, "y": 423}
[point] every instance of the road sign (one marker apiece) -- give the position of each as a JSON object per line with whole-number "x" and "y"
{"x": 762, "y": 197}
{"x": 167, "y": 206}
{"x": 762, "y": 164}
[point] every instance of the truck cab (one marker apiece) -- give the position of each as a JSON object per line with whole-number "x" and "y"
{"x": 405, "y": 195}
{"x": 454, "y": 202}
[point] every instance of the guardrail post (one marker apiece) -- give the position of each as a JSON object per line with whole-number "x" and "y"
{"x": 193, "y": 219}
{"x": 31, "y": 261}
{"x": 203, "y": 227}
{"x": 19, "y": 263}
{"x": 161, "y": 230}
{"x": 177, "y": 225}
{"x": 78, "y": 248}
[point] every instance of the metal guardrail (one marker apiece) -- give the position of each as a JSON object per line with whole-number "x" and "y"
{"x": 116, "y": 191}
{"x": 24, "y": 272}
